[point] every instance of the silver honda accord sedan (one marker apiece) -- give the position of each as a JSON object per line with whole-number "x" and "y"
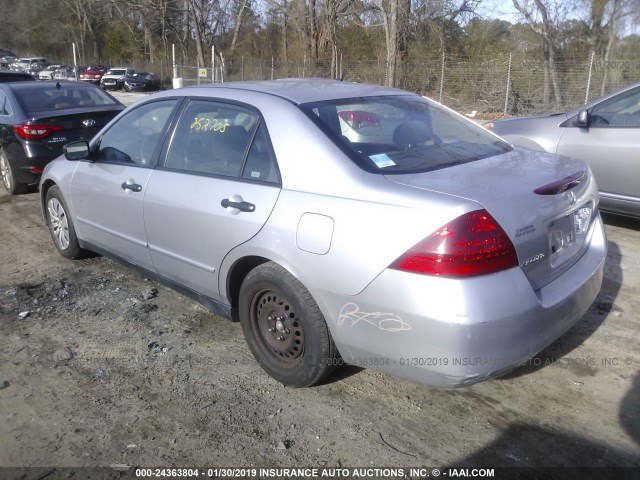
{"x": 339, "y": 223}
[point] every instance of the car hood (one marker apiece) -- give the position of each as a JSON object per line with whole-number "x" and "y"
{"x": 504, "y": 185}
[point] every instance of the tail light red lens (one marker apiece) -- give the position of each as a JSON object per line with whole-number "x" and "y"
{"x": 469, "y": 246}
{"x": 35, "y": 132}
{"x": 358, "y": 118}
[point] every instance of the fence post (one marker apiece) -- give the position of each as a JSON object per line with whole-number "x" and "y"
{"x": 386, "y": 73}
{"x": 586, "y": 95}
{"x": 304, "y": 65}
{"x": 441, "y": 79}
{"x": 272, "y": 68}
{"x": 242, "y": 69}
{"x": 75, "y": 62}
{"x": 213, "y": 64}
{"x": 174, "y": 65}
{"x": 506, "y": 96}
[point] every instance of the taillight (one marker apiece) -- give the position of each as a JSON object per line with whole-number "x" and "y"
{"x": 469, "y": 246}
{"x": 35, "y": 132}
{"x": 488, "y": 126}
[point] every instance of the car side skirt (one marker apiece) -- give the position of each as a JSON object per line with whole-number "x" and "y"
{"x": 216, "y": 307}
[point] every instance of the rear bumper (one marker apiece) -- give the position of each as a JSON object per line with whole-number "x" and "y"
{"x": 30, "y": 170}
{"x": 453, "y": 333}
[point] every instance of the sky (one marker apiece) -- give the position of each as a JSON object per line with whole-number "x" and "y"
{"x": 502, "y": 9}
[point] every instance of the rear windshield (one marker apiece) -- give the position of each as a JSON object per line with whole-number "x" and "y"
{"x": 402, "y": 134}
{"x": 44, "y": 98}
{"x": 116, "y": 72}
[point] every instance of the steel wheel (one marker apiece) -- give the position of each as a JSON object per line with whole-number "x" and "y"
{"x": 279, "y": 328}
{"x": 284, "y": 327}
{"x": 59, "y": 223}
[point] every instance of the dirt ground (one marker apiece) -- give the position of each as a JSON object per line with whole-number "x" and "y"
{"x": 101, "y": 367}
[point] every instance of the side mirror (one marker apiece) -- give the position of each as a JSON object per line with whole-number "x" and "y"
{"x": 583, "y": 119}
{"x": 76, "y": 150}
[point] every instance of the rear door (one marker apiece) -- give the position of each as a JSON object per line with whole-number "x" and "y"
{"x": 216, "y": 189}
{"x": 107, "y": 193}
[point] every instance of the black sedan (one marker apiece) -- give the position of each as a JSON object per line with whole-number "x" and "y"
{"x": 38, "y": 118}
{"x": 142, "y": 82}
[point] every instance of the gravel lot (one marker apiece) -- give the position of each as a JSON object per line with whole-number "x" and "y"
{"x": 99, "y": 366}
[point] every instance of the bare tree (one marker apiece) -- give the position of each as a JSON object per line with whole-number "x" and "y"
{"x": 542, "y": 17}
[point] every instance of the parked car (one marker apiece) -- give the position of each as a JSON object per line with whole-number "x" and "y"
{"x": 115, "y": 77}
{"x": 142, "y": 82}
{"x": 35, "y": 69}
{"x": 604, "y": 133}
{"x": 38, "y": 118}
{"x": 47, "y": 72}
{"x": 11, "y": 76}
{"x": 68, "y": 73}
{"x": 6, "y": 59}
{"x": 7, "y": 55}
{"x": 442, "y": 255}
{"x": 94, "y": 73}
{"x": 25, "y": 64}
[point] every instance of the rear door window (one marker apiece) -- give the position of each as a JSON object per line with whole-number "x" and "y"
{"x": 5, "y": 108}
{"x": 222, "y": 139}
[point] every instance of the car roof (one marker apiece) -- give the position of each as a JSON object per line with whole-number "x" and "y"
{"x": 305, "y": 90}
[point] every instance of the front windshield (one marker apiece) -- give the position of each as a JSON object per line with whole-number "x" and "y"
{"x": 402, "y": 134}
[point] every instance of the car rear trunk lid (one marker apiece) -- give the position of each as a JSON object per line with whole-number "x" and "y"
{"x": 549, "y": 228}
{"x": 76, "y": 125}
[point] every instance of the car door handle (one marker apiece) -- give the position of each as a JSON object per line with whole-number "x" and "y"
{"x": 242, "y": 206}
{"x": 134, "y": 187}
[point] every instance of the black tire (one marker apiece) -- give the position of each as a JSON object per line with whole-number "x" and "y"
{"x": 60, "y": 225}
{"x": 284, "y": 328}
{"x": 8, "y": 178}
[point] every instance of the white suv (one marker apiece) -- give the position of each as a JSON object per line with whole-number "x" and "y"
{"x": 114, "y": 78}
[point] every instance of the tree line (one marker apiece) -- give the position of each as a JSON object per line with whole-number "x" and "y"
{"x": 392, "y": 32}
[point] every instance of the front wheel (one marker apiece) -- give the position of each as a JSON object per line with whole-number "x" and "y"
{"x": 60, "y": 225}
{"x": 284, "y": 328}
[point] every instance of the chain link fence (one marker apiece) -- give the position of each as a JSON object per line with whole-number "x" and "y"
{"x": 513, "y": 85}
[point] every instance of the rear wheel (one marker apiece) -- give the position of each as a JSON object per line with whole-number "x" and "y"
{"x": 8, "y": 178}
{"x": 284, "y": 327}
{"x": 60, "y": 225}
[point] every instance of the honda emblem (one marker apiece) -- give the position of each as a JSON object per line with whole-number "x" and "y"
{"x": 89, "y": 123}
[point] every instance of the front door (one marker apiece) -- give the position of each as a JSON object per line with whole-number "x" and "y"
{"x": 107, "y": 193}
{"x": 610, "y": 145}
